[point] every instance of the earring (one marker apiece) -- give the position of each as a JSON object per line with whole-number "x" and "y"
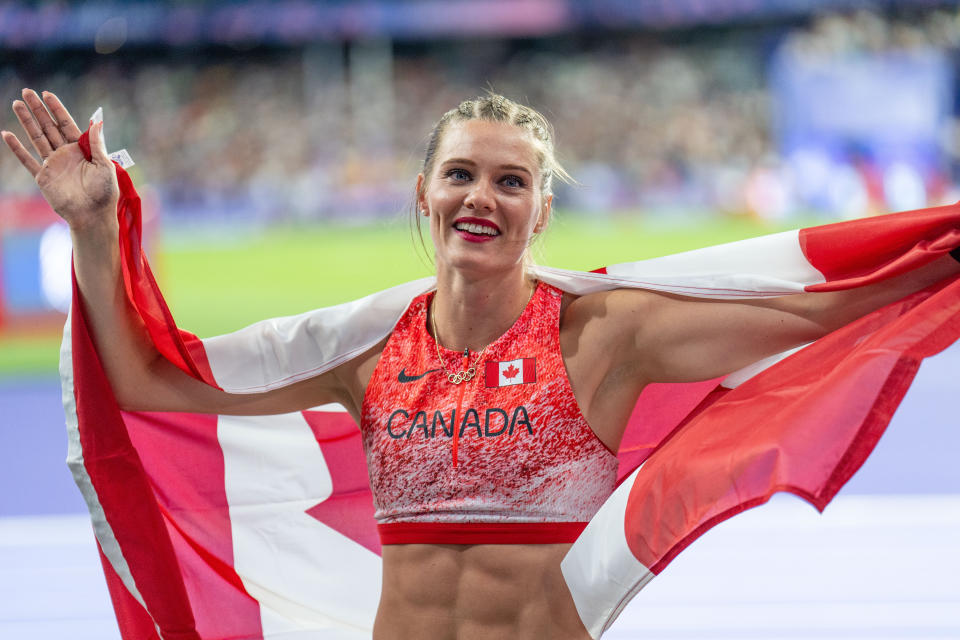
{"x": 423, "y": 212}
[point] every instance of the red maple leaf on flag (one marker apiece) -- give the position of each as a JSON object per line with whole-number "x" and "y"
{"x": 510, "y": 371}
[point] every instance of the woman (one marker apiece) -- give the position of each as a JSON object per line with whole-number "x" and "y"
{"x": 474, "y": 528}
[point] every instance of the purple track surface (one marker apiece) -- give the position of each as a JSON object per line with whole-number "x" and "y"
{"x": 917, "y": 455}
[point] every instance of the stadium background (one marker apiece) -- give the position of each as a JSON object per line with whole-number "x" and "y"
{"x": 277, "y": 145}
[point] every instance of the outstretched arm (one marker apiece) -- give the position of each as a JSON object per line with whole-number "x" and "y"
{"x": 616, "y": 342}
{"x": 85, "y": 194}
{"x": 676, "y": 339}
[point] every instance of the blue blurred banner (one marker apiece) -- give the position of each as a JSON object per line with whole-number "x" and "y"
{"x": 20, "y": 271}
{"x": 25, "y": 25}
{"x": 34, "y": 264}
{"x": 863, "y": 133}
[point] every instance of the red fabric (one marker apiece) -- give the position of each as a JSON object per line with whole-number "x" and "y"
{"x": 479, "y": 532}
{"x": 805, "y": 426}
{"x": 132, "y": 619}
{"x": 108, "y": 457}
{"x": 857, "y": 252}
{"x": 661, "y": 409}
{"x": 188, "y": 484}
{"x": 182, "y": 565}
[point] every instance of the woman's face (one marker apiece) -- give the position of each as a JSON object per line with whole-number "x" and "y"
{"x": 483, "y": 196}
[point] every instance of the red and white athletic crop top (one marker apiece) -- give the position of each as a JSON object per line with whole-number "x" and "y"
{"x": 504, "y": 458}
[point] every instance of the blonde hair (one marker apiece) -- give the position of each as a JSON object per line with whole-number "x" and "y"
{"x": 496, "y": 108}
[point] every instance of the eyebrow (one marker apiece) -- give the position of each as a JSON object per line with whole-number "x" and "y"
{"x": 504, "y": 167}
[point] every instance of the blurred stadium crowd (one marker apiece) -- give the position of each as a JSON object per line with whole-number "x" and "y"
{"x": 678, "y": 121}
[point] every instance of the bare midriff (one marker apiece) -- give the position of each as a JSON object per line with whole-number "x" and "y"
{"x": 476, "y": 592}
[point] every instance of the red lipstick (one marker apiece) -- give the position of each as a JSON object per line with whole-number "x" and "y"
{"x": 476, "y": 235}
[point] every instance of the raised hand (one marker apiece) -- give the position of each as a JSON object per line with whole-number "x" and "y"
{"x": 82, "y": 192}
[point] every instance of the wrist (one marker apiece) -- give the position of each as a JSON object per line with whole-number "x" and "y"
{"x": 94, "y": 222}
{"x": 95, "y": 234}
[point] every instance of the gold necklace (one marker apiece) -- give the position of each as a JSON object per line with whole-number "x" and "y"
{"x": 462, "y": 376}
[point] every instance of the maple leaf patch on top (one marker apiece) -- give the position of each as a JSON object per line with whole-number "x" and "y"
{"x": 509, "y": 372}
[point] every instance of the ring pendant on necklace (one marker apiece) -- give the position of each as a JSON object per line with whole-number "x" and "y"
{"x": 461, "y": 376}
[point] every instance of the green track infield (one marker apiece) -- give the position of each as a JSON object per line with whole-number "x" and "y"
{"x": 217, "y": 281}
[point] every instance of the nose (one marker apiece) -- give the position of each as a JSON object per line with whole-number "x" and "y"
{"x": 480, "y": 196}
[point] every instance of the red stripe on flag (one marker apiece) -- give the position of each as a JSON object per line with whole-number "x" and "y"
{"x": 492, "y": 375}
{"x": 659, "y": 409}
{"x": 848, "y": 253}
{"x": 804, "y": 426}
{"x": 181, "y": 455}
{"x": 123, "y": 490}
{"x": 132, "y": 618}
{"x": 529, "y": 370}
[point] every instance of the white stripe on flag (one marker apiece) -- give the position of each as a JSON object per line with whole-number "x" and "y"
{"x": 771, "y": 262}
{"x": 101, "y": 527}
{"x": 277, "y": 352}
{"x": 305, "y": 575}
{"x": 599, "y": 569}
{"x": 740, "y": 376}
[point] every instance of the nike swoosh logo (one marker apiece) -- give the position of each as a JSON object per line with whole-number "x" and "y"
{"x": 403, "y": 377}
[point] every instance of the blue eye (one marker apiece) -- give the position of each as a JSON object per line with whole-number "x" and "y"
{"x": 513, "y": 181}
{"x": 460, "y": 175}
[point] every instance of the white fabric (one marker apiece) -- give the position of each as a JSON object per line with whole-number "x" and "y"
{"x": 278, "y": 352}
{"x": 281, "y": 351}
{"x": 516, "y": 367}
{"x": 304, "y": 575}
{"x": 756, "y": 267}
{"x": 601, "y": 572}
{"x": 740, "y": 376}
{"x": 98, "y": 518}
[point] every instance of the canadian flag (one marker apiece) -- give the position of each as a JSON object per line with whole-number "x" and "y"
{"x": 509, "y": 372}
{"x": 217, "y": 527}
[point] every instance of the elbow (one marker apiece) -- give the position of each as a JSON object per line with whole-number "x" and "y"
{"x": 134, "y": 384}
{"x": 128, "y": 394}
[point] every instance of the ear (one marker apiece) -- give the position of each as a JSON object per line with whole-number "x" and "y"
{"x": 421, "y": 196}
{"x": 545, "y": 212}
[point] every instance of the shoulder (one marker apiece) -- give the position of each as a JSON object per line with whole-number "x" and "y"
{"x": 623, "y": 329}
{"x": 603, "y": 353}
{"x": 608, "y": 330}
{"x": 608, "y": 311}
